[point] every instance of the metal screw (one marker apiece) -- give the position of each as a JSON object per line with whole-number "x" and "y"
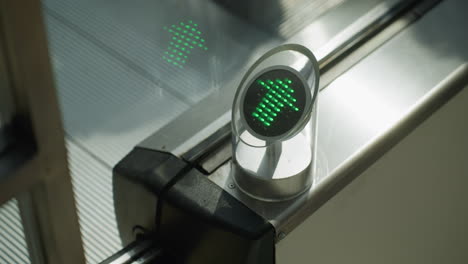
{"x": 231, "y": 186}
{"x": 281, "y": 235}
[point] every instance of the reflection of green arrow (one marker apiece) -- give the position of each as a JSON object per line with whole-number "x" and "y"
{"x": 184, "y": 38}
{"x": 279, "y": 95}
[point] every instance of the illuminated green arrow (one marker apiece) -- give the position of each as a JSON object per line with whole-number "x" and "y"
{"x": 185, "y": 37}
{"x": 278, "y": 97}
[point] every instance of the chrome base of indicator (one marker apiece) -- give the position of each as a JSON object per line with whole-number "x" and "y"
{"x": 276, "y": 163}
{"x": 281, "y": 171}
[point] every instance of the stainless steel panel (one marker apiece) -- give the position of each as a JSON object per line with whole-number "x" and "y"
{"x": 329, "y": 37}
{"x": 106, "y": 123}
{"x": 409, "y": 207}
{"x": 366, "y": 108}
{"x": 282, "y": 17}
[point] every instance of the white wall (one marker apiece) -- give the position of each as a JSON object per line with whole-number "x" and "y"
{"x": 411, "y": 206}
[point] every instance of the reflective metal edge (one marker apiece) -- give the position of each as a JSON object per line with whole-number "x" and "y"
{"x": 291, "y": 214}
{"x": 195, "y": 126}
{"x": 131, "y": 252}
{"x": 210, "y": 147}
{"x": 360, "y": 30}
{"x": 372, "y": 151}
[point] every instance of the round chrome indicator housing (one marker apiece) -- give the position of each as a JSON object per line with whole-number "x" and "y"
{"x": 273, "y": 123}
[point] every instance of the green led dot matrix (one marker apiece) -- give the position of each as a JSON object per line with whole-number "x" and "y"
{"x": 185, "y": 37}
{"x": 279, "y": 95}
{"x": 274, "y": 102}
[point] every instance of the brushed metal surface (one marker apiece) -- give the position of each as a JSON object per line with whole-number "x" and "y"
{"x": 96, "y": 62}
{"x": 370, "y": 106}
{"x": 328, "y": 37}
{"x": 409, "y": 207}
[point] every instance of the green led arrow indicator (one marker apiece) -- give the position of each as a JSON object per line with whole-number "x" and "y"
{"x": 279, "y": 96}
{"x": 185, "y": 38}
